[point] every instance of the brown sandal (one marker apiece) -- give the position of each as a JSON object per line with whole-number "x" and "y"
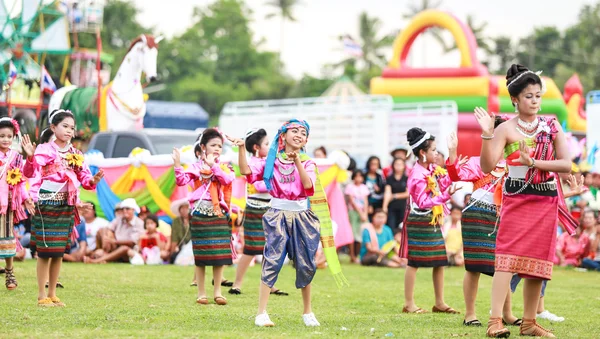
{"x": 202, "y": 301}
{"x": 11, "y": 281}
{"x": 531, "y": 328}
{"x": 417, "y": 311}
{"x": 221, "y": 301}
{"x": 449, "y": 310}
{"x": 495, "y": 329}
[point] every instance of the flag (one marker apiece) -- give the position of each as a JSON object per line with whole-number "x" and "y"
{"x": 12, "y": 73}
{"x": 47, "y": 85}
{"x": 352, "y": 47}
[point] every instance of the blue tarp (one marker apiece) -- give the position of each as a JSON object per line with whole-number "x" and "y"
{"x": 176, "y": 115}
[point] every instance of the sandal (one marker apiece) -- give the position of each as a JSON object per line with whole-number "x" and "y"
{"x": 58, "y": 284}
{"x": 224, "y": 283}
{"x": 202, "y": 301}
{"x": 11, "y": 281}
{"x": 46, "y": 302}
{"x": 57, "y": 302}
{"x": 495, "y": 329}
{"x": 221, "y": 301}
{"x": 448, "y": 310}
{"x": 417, "y": 311}
{"x": 235, "y": 290}
{"x": 474, "y": 322}
{"x": 517, "y": 322}
{"x": 194, "y": 283}
{"x": 279, "y": 292}
{"x": 531, "y": 328}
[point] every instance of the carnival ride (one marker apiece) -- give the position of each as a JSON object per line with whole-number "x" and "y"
{"x": 470, "y": 85}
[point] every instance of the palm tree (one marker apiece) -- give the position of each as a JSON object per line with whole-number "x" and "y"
{"x": 284, "y": 9}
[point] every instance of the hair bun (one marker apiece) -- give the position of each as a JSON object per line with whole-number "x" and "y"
{"x": 414, "y": 135}
{"x": 515, "y": 70}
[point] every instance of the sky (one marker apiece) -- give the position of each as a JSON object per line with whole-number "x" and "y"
{"x": 311, "y": 41}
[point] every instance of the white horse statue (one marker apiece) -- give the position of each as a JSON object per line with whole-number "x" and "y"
{"x": 124, "y": 99}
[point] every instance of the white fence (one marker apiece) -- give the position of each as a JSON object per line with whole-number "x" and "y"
{"x": 361, "y": 125}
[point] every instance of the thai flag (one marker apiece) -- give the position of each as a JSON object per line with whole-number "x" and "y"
{"x": 12, "y": 73}
{"x": 352, "y": 47}
{"x": 47, "y": 85}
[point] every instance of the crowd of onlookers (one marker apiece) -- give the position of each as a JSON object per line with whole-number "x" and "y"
{"x": 376, "y": 197}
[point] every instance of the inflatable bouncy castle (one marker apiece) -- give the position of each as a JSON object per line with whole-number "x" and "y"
{"x": 470, "y": 85}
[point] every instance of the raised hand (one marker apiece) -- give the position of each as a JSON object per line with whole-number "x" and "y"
{"x": 28, "y": 147}
{"x": 462, "y": 160}
{"x": 574, "y": 185}
{"x": 176, "y": 155}
{"x": 210, "y": 160}
{"x": 97, "y": 177}
{"x": 453, "y": 189}
{"x": 452, "y": 141}
{"x": 524, "y": 158}
{"x": 485, "y": 120}
{"x": 236, "y": 141}
{"x": 292, "y": 156}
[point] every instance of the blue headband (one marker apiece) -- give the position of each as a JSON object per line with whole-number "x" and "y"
{"x": 276, "y": 147}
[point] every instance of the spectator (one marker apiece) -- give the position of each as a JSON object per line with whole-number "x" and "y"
{"x": 121, "y": 235}
{"x": 588, "y": 223}
{"x": 440, "y": 160}
{"x": 453, "y": 237}
{"x": 466, "y": 200}
{"x": 23, "y": 232}
{"x": 80, "y": 248}
{"x": 320, "y": 153}
{"x": 378, "y": 244}
{"x": 163, "y": 227}
{"x": 395, "y": 196}
{"x": 375, "y": 184}
{"x": 593, "y": 262}
{"x": 571, "y": 249}
{"x": 92, "y": 225}
{"x": 401, "y": 152}
{"x": 118, "y": 211}
{"x": 152, "y": 244}
{"x": 180, "y": 230}
{"x": 357, "y": 195}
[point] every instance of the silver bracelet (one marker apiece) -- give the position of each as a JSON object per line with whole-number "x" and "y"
{"x": 532, "y": 163}
{"x": 484, "y": 137}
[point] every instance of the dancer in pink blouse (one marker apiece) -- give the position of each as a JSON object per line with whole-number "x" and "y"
{"x": 423, "y": 243}
{"x": 13, "y": 195}
{"x": 209, "y": 201}
{"x": 63, "y": 170}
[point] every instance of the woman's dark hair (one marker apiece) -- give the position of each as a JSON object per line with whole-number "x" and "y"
{"x": 322, "y": 149}
{"x": 255, "y": 138}
{"x": 205, "y": 137}
{"x": 372, "y": 158}
{"x": 516, "y": 86}
{"x": 46, "y": 135}
{"x": 394, "y": 163}
{"x": 414, "y": 135}
{"x": 357, "y": 172}
{"x": 498, "y": 120}
{"x": 151, "y": 217}
{"x": 456, "y": 207}
{"x": 8, "y": 124}
{"x": 93, "y": 208}
{"x": 60, "y": 116}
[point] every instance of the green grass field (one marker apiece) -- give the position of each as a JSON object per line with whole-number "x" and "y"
{"x": 120, "y": 300}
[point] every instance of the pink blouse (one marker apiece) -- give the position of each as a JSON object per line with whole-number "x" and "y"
{"x": 417, "y": 187}
{"x": 260, "y": 185}
{"x": 282, "y": 187}
{"x": 469, "y": 172}
{"x": 573, "y": 249}
{"x": 48, "y": 162}
{"x": 192, "y": 173}
{"x": 8, "y": 161}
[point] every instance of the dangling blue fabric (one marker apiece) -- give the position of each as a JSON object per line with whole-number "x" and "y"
{"x": 106, "y": 197}
{"x": 276, "y": 148}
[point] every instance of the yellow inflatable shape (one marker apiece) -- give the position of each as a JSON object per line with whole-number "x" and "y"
{"x": 408, "y": 87}
{"x": 552, "y": 91}
{"x": 575, "y": 122}
{"x": 102, "y": 122}
{"x": 426, "y": 19}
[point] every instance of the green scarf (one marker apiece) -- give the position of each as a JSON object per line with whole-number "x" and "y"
{"x": 318, "y": 204}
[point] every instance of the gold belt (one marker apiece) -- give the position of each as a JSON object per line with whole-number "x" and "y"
{"x": 205, "y": 207}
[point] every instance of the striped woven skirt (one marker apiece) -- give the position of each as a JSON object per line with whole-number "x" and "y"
{"x": 526, "y": 240}
{"x": 8, "y": 244}
{"x": 254, "y": 233}
{"x": 426, "y": 246}
{"x": 211, "y": 240}
{"x": 479, "y": 239}
{"x": 52, "y": 227}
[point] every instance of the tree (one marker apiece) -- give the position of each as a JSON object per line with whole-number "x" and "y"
{"x": 503, "y": 50}
{"x": 481, "y": 39}
{"x": 416, "y": 7}
{"x": 285, "y": 9}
